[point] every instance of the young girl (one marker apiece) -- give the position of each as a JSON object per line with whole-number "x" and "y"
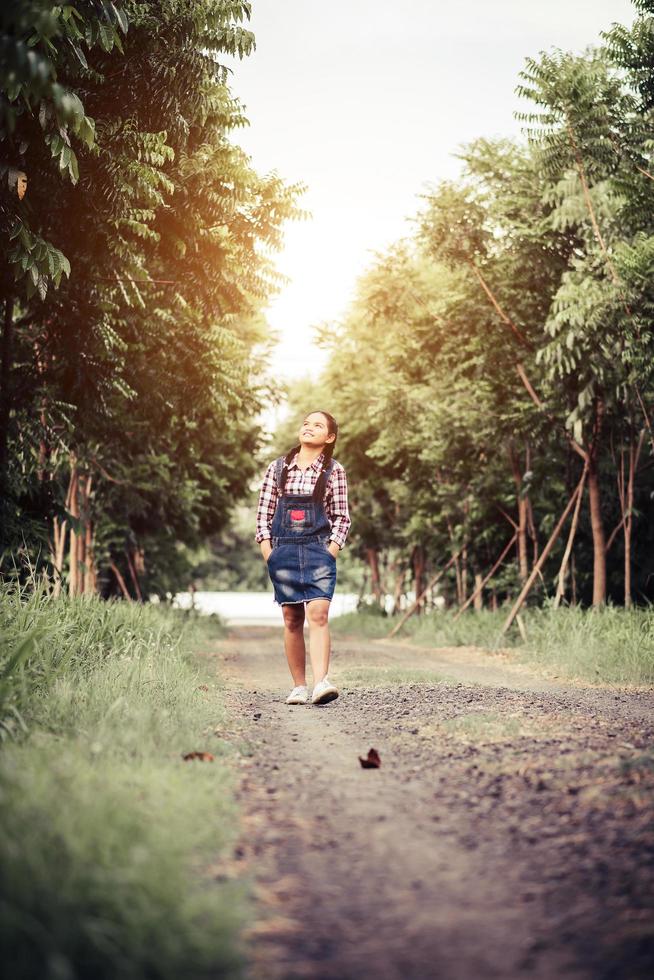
{"x": 302, "y": 523}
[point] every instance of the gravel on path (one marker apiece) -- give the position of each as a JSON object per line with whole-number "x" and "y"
{"x": 507, "y": 833}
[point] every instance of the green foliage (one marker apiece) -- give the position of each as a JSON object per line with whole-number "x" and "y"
{"x": 110, "y": 697}
{"x": 146, "y": 364}
{"x": 39, "y": 45}
{"x": 509, "y": 338}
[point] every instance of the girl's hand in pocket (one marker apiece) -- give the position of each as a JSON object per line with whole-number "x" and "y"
{"x": 333, "y": 549}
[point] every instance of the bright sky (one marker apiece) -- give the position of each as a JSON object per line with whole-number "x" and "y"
{"x": 365, "y": 101}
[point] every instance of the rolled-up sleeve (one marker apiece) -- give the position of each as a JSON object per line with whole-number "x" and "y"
{"x": 336, "y": 505}
{"x": 266, "y": 505}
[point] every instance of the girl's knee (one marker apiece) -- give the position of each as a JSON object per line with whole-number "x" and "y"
{"x": 317, "y": 615}
{"x": 293, "y": 618}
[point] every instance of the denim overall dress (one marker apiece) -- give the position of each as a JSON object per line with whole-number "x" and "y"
{"x": 300, "y": 565}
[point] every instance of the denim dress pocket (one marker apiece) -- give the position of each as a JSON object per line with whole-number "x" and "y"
{"x": 325, "y": 544}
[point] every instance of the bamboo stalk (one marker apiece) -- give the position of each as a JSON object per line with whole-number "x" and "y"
{"x": 60, "y": 553}
{"x": 88, "y": 537}
{"x": 477, "y": 597}
{"x": 121, "y": 581}
{"x": 58, "y": 540}
{"x": 74, "y": 512}
{"x": 133, "y": 576}
{"x": 526, "y": 589}
{"x": 412, "y": 608}
{"x": 81, "y": 550}
{"x": 89, "y": 576}
{"x": 627, "y": 504}
{"x": 480, "y": 587}
{"x": 568, "y": 548}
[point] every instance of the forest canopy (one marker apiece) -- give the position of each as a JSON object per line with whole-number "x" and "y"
{"x": 136, "y": 270}
{"x": 493, "y": 376}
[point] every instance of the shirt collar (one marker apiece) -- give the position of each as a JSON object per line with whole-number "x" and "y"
{"x": 317, "y": 463}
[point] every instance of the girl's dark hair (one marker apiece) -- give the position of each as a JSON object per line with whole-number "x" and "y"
{"x": 319, "y": 489}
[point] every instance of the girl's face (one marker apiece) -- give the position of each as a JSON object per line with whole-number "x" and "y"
{"x": 314, "y": 431}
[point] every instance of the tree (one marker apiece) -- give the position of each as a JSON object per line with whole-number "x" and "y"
{"x": 137, "y": 380}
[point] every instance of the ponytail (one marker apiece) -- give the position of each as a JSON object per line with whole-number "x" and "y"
{"x": 287, "y": 459}
{"x": 321, "y": 482}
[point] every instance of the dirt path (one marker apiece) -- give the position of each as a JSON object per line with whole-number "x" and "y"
{"x": 508, "y": 832}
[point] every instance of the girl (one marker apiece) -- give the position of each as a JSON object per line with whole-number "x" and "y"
{"x": 302, "y": 523}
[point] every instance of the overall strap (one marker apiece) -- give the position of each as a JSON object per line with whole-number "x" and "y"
{"x": 279, "y": 466}
{"x": 328, "y": 471}
{"x": 324, "y": 476}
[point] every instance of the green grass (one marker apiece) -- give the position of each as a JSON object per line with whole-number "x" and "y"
{"x": 107, "y": 834}
{"x": 486, "y": 726}
{"x": 611, "y": 645}
{"x": 366, "y": 623}
{"x": 385, "y": 676}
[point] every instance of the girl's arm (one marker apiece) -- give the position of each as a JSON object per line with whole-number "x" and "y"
{"x": 336, "y": 505}
{"x": 266, "y": 504}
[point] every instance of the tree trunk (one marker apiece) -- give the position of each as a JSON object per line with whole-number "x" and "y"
{"x": 90, "y": 575}
{"x": 533, "y": 533}
{"x": 627, "y": 533}
{"x": 523, "y": 557}
{"x": 459, "y": 582}
{"x": 418, "y": 560}
{"x": 398, "y": 591}
{"x": 59, "y": 541}
{"x": 627, "y": 502}
{"x": 57, "y": 548}
{"x": 362, "y": 589}
{"x": 560, "y": 589}
{"x": 478, "y": 601}
{"x": 5, "y": 399}
{"x": 483, "y": 581}
{"x": 457, "y": 566}
{"x": 121, "y": 581}
{"x": 464, "y": 573}
{"x": 81, "y": 558}
{"x": 89, "y": 563}
{"x": 599, "y": 542}
{"x": 595, "y": 503}
{"x": 74, "y": 512}
{"x": 515, "y": 609}
{"x": 133, "y": 575}
{"x": 414, "y": 605}
{"x": 375, "y": 582}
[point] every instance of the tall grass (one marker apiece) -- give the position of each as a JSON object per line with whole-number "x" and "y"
{"x": 609, "y": 645}
{"x": 107, "y": 834}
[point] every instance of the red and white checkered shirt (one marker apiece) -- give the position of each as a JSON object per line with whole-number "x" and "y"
{"x": 303, "y": 481}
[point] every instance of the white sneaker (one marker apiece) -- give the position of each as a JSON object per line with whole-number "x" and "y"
{"x": 323, "y": 692}
{"x": 299, "y": 695}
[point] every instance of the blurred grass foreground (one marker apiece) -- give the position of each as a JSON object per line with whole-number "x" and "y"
{"x": 107, "y": 834}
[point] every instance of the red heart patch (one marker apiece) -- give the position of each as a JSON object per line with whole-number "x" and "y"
{"x": 297, "y": 515}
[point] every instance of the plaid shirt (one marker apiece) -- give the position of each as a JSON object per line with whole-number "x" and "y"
{"x": 303, "y": 481}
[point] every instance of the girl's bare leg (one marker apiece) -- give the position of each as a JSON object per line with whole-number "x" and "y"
{"x": 294, "y": 647}
{"x": 319, "y": 639}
